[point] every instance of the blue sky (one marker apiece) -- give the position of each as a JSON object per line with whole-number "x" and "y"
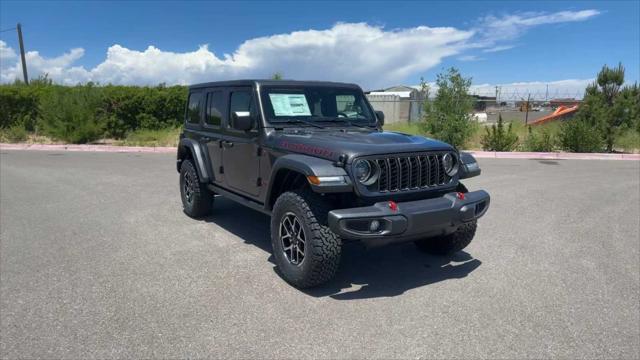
{"x": 548, "y": 41}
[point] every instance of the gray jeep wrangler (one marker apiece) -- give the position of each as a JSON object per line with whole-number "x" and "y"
{"x": 314, "y": 157}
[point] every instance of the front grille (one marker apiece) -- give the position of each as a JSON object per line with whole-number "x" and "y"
{"x": 401, "y": 173}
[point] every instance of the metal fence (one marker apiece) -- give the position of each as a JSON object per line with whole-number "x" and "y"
{"x": 513, "y": 106}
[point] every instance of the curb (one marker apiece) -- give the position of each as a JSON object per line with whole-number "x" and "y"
{"x": 552, "y": 155}
{"x": 89, "y": 148}
{"x": 477, "y": 154}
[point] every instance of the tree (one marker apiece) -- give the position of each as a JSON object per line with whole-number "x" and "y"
{"x": 276, "y": 76}
{"x": 607, "y": 109}
{"x": 448, "y": 116}
{"x": 497, "y": 139}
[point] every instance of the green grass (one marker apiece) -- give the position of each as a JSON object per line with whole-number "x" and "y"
{"x": 14, "y": 134}
{"x": 407, "y": 128}
{"x": 162, "y": 137}
{"x": 628, "y": 141}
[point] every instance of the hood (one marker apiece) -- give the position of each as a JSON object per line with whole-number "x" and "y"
{"x": 331, "y": 143}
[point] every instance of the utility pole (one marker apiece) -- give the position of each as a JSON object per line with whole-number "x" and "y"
{"x": 546, "y": 94}
{"x": 526, "y": 115}
{"x": 24, "y": 62}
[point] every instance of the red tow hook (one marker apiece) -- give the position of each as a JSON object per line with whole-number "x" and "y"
{"x": 460, "y": 195}
{"x": 393, "y": 206}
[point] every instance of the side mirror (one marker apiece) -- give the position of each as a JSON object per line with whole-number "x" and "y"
{"x": 380, "y": 116}
{"x": 241, "y": 120}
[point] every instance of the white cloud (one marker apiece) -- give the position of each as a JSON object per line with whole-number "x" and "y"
{"x": 59, "y": 68}
{"x": 498, "y": 48}
{"x": 469, "y": 58}
{"x": 508, "y": 27}
{"x": 6, "y": 53}
{"x": 357, "y": 52}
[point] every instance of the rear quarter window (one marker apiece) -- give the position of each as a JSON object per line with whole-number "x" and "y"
{"x": 193, "y": 108}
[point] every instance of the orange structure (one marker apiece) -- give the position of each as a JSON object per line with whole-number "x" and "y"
{"x": 560, "y": 112}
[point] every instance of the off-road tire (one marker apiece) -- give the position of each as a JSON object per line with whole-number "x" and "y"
{"x": 200, "y": 200}
{"x": 449, "y": 244}
{"x": 322, "y": 246}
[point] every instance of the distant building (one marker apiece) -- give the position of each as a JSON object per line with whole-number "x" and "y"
{"x": 481, "y": 103}
{"x": 399, "y": 103}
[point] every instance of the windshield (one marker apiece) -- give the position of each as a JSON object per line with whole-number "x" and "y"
{"x": 316, "y": 104}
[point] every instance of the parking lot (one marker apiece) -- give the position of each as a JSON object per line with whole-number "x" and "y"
{"x": 97, "y": 260}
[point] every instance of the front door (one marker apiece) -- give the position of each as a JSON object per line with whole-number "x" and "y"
{"x": 240, "y": 148}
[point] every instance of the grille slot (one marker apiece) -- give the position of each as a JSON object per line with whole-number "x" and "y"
{"x": 402, "y": 173}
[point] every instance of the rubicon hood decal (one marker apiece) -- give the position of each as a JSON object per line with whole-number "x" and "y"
{"x": 306, "y": 149}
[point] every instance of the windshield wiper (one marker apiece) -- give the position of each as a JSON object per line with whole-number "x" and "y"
{"x": 300, "y": 121}
{"x": 348, "y": 122}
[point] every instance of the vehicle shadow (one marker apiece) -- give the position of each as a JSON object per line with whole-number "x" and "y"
{"x": 364, "y": 273}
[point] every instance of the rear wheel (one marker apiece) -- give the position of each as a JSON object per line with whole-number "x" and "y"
{"x": 306, "y": 251}
{"x": 197, "y": 200}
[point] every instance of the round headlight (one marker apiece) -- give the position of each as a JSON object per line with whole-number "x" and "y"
{"x": 362, "y": 170}
{"x": 365, "y": 172}
{"x": 450, "y": 163}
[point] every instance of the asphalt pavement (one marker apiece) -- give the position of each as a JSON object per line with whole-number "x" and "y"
{"x": 97, "y": 260}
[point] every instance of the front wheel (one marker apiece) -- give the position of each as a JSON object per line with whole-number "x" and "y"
{"x": 449, "y": 244}
{"x": 306, "y": 251}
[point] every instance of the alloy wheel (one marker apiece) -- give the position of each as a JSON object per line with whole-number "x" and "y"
{"x": 293, "y": 238}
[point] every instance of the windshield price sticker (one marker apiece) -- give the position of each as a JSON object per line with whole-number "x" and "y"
{"x": 289, "y": 105}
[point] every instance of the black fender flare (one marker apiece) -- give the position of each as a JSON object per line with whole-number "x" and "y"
{"x": 190, "y": 145}
{"x": 309, "y": 166}
{"x": 468, "y": 166}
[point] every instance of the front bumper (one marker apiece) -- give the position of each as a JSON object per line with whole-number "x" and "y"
{"x": 411, "y": 220}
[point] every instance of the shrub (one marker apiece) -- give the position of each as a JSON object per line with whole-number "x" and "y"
{"x": 19, "y": 104}
{"x": 14, "y": 133}
{"x": 579, "y": 136}
{"x": 497, "y": 139}
{"x": 539, "y": 140}
{"x": 70, "y": 114}
{"x": 116, "y": 110}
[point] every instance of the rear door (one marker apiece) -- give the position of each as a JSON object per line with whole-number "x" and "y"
{"x": 214, "y": 113}
{"x": 240, "y": 158}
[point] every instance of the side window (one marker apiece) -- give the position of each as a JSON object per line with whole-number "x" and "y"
{"x": 345, "y": 102}
{"x": 240, "y": 101}
{"x": 215, "y": 102}
{"x": 193, "y": 109}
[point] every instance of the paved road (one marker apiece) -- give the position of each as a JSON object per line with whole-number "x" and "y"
{"x": 97, "y": 260}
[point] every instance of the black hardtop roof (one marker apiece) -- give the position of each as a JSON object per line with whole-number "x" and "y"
{"x": 252, "y": 82}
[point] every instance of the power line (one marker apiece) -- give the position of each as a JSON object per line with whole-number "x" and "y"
{"x": 5, "y": 30}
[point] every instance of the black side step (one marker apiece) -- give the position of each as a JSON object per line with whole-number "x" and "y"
{"x": 239, "y": 199}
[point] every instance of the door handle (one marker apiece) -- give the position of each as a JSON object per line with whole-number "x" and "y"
{"x": 227, "y": 144}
